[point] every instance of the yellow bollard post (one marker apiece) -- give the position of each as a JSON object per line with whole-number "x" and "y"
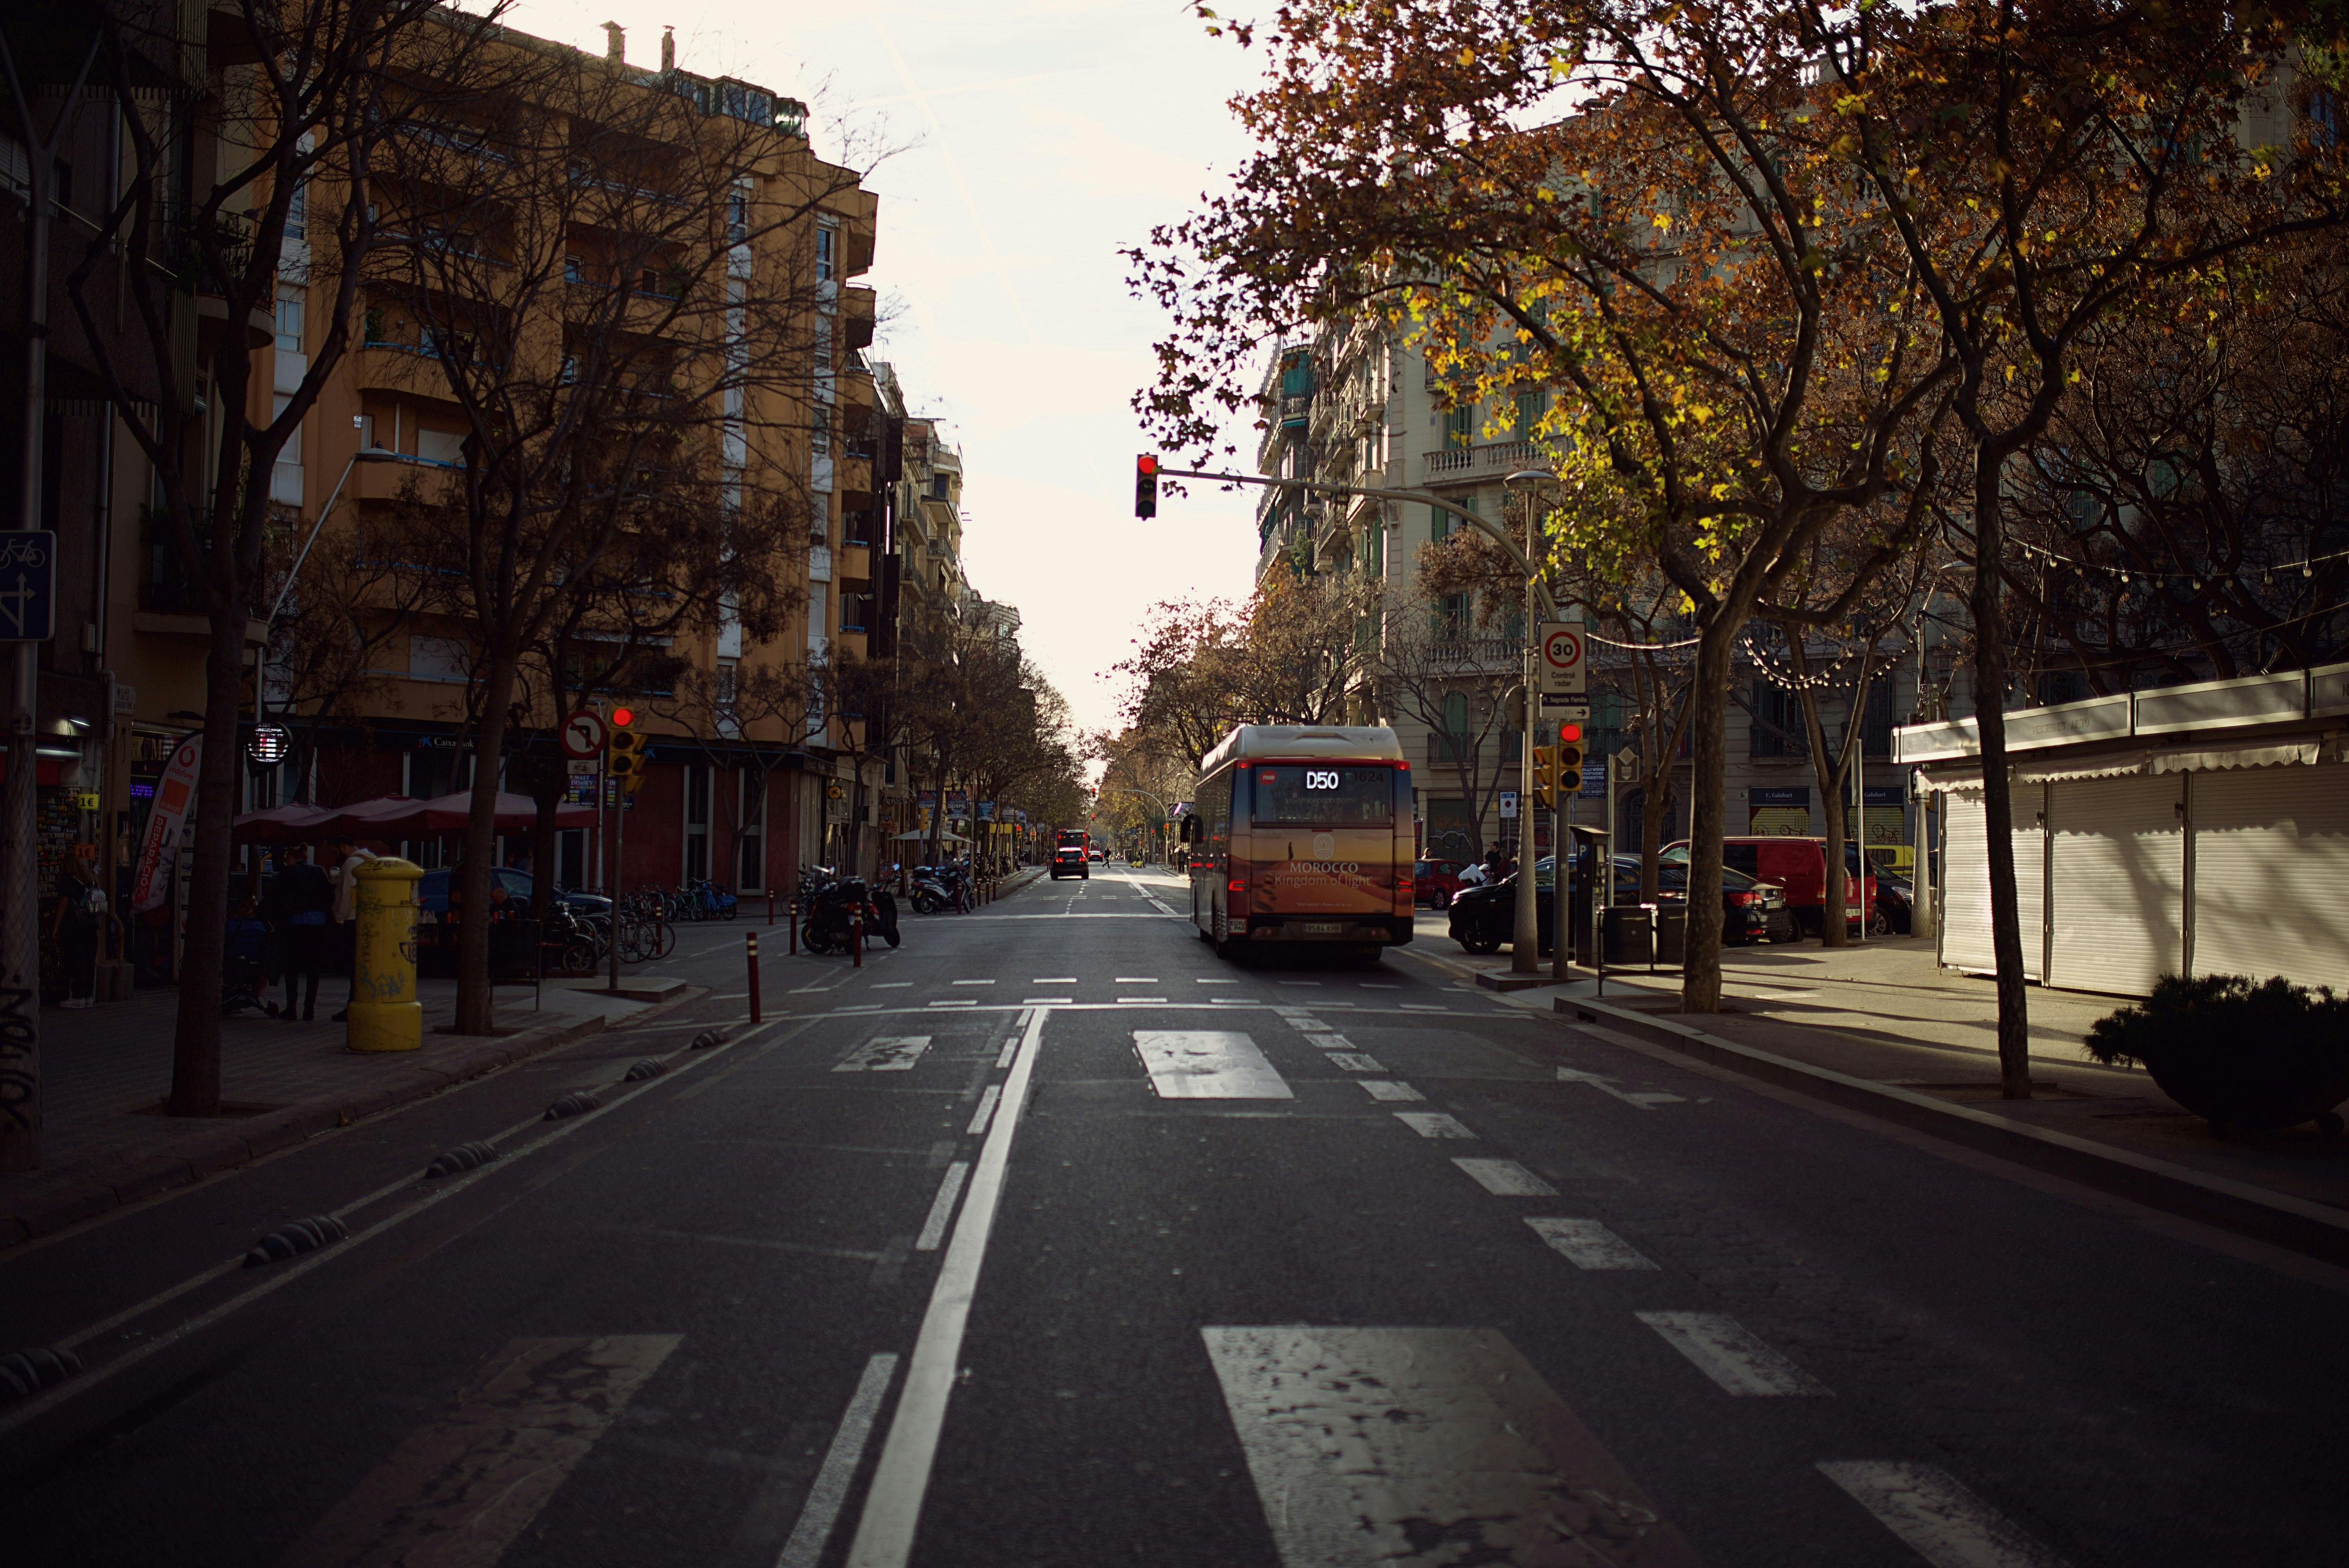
{"x": 385, "y": 1013}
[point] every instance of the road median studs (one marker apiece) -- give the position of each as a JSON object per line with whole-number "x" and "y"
{"x": 464, "y": 1157}
{"x": 578, "y": 1102}
{"x": 292, "y": 1240}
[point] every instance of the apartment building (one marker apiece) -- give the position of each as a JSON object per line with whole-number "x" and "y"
{"x": 1356, "y": 404}
{"x": 739, "y": 795}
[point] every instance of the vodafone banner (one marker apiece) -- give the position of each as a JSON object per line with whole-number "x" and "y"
{"x": 175, "y": 793}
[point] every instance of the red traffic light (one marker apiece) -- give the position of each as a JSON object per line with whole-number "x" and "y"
{"x": 623, "y": 717}
{"x": 1570, "y": 733}
{"x": 1145, "y": 464}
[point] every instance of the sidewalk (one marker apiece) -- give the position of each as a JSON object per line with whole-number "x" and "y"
{"x": 1881, "y": 1016}
{"x": 105, "y": 1071}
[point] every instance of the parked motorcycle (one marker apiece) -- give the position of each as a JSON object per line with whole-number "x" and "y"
{"x": 835, "y": 909}
{"x": 937, "y": 888}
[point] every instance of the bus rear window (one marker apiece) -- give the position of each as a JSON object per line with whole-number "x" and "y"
{"x": 1331, "y": 796}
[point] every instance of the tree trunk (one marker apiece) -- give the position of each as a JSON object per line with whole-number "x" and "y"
{"x": 196, "y": 1043}
{"x": 476, "y": 1003}
{"x": 1708, "y": 722}
{"x": 1655, "y": 805}
{"x": 547, "y": 782}
{"x": 1997, "y": 796}
{"x": 1836, "y": 896}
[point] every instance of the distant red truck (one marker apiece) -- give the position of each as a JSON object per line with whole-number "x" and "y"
{"x": 1798, "y": 865}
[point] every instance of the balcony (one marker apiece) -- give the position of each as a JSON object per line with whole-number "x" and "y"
{"x": 1477, "y": 653}
{"x": 1457, "y": 465}
{"x": 1295, "y": 407}
{"x": 857, "y": 319}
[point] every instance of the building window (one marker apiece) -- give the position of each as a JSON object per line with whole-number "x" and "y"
{"x": 697, "y": 821}
{"x": 751, "y": 829}
{"x": 1531, "y": 405}
{"x": 575, "y": 268}
{"x": 1777, "y": 727}
{"x": 289, "y": 321}
{"x": 827, "y": 247}
{"x": 820, "y": 436}
{"x": 1460, "y": 426}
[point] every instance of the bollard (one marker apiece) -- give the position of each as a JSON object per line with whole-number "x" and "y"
{"x": 385, "y": 1015}
{"x": 770, "y": 906}
{"x": 751, "y": 952}
{"x": 795, "y": 926}
{"x": 856, "y": 941}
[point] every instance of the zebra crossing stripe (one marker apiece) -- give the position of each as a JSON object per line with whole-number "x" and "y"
{"x": 459, "y": 1491}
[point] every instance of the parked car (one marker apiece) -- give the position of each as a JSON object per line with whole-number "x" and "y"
{"x": 1435, "y": 883}
{"x": 432, "y": 894}
{"x": 1483, "y": 918}
{"x": 1896, "y": 902}
{"x": 1799, "y": 866}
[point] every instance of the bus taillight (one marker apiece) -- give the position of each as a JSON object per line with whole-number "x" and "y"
{"x": 1236, "y": 885}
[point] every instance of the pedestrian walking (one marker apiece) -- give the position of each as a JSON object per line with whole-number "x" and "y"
{"x": 349, "y": 856}
{"x": 304, "y": 896}
{"x": 73, "y": 927}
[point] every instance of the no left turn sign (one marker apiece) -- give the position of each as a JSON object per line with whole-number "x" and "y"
{"x": 583, "y": 735}
{"x": 1562, "y": 665}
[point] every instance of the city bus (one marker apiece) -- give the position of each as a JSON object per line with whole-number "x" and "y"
{"x": 1301, "y": 835}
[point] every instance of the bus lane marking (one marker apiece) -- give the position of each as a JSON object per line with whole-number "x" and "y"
{"x": 1207, "y": 1064}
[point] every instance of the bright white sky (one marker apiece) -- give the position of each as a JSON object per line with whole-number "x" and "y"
{"x": 1037, "y": 137}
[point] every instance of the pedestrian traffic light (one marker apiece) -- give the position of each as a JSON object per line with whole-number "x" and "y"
{"x": 1570, "y": 756}
{"x": 1545, "y": 774}
{"x": 1146, "y": 486}
{"x": 624, "y": 753}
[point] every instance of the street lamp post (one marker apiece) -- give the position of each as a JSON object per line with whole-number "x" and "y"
{"x": 1525, "y": 944}
{"x": 261, "y": 674}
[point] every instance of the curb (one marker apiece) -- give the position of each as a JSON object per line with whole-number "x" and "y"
{"x": 55, "y": 1199}
{"x": 2309, "y": 1228}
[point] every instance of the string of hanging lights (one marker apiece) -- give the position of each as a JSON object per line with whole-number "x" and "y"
{"x": 2129, "y": 576}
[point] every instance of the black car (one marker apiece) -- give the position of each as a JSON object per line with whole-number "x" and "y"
{"x": 1070, "y": 861}
{"x": 432, "y": 894}
{"x": 1483, "y": 918}
{"x": 1896, "y": 905}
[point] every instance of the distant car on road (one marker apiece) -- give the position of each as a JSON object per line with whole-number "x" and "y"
{"x": 1096, "y": 856}
{"x": 1070, "y": 861}
{"x": 1435, "y": 883}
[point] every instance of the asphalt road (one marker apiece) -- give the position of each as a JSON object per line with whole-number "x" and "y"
{"x": 1049, "y": 1239}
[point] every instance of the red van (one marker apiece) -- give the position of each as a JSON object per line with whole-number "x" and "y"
{"x": 1799, "y": 865}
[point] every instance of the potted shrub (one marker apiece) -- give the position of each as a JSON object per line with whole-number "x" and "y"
{"x": 2246, "y": 1055}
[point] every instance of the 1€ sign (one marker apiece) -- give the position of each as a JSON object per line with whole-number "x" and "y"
{"x": 1563, "y": 668}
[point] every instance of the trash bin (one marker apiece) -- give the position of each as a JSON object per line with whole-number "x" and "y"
{"x": 1671, "y": 937}
{"x": 385, "y": 1015}
{"x": 1630, "y": 933}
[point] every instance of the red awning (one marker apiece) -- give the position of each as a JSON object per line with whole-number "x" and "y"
{"x": 395, "y": 817}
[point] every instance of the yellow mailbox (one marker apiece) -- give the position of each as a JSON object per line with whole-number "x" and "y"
{"x": 385, "y": 1013}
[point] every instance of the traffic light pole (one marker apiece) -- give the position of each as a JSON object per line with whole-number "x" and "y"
{"x": 1561, "y": 823}
{"x": 612, "y": 860}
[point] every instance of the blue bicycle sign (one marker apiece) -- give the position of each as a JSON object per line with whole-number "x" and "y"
{"x": 28, "y": 585}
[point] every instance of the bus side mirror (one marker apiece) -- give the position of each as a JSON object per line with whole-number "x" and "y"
{"x": 1193, "y": 832}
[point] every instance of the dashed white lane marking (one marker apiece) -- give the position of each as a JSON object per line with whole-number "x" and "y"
{"x": 1646, "y": 1100}
{"x": 893, "y": 1502}
{"x": 1507, "y": 1178}
{"x": 1214, "y": 982}
{"x": 986, "y": 1108}
{"x": 1053, "y": 980}
{"x": 933, "y": 1228}
{"x": 1137, "y": 979}
{"x": 1207, "y": 1064}
{"x": 1355, "y": 1062}
{"x": 1315, "y": 983}
{"x": 728, "y": 995}
{"x": 1128, "y": 1000}
{"x": 1933, "y": 1513}
{"x": 974, "y": 982}
{"x": 830, "y": 1493}
{"x": 1587, "y": 1244}
{"x": 1431, "y": 1124}
{"x": 1329, "y": 1042}
{"x": 1387, "y": 1089}
{"x": 890, "y": 1054}
{"x": 1725, "y": 1350}
{"x": 893, "y": 985}
{"x": 461, "y": 1489}
{"x": 957, "y": 1002}
{"x": 1011, "y": 1050}
{"x": 1387, "y": 1446}
{"x": 1375, "y": 986}
{"x": 1042, "y": 1002}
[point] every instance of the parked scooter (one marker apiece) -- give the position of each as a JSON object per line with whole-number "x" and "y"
{"x": 937, "y": 888}
{"x": 834, "y": 910}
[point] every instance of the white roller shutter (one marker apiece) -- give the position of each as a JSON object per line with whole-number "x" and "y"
{"x": 2271, "y": 874}
{"x": 1965, "y": 916}
{"x": 2118, "y": 885}
{"x": 2031, "y": 877}
{"x": 1965, "y": 885}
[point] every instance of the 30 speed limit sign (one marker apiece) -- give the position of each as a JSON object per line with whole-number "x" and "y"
{"x": 1563, "y": 665}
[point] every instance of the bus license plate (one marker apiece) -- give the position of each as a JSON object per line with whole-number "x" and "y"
{"x": 1323, "y": 928}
